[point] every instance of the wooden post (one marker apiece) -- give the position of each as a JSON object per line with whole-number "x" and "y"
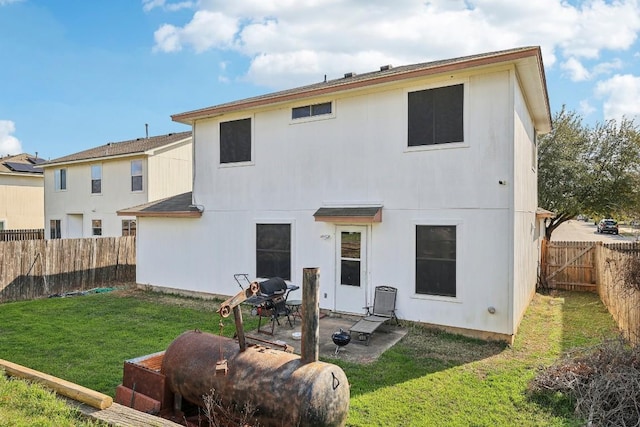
{"x": 237, "y": 315}
{"x": 309, "y": 347}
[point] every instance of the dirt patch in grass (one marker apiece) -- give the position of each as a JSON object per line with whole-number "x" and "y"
{"x": 131, "y": 290}
{"x": 455, "y": 349}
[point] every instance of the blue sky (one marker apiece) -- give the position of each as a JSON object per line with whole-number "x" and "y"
{"x": 76, "y": 74}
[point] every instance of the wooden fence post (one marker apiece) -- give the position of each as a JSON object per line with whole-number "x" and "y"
{"x": 309, "y": 347}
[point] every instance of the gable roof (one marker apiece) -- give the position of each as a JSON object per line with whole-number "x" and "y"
{"x": 123, "y": 148}
{"x": 527, "y": 60}
{"x": 21, "y": 164}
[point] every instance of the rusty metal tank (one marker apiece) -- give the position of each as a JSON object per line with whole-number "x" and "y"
{"x": 284, "y": 390}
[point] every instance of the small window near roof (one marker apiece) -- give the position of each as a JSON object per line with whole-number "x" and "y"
{"x": 311, "y": 110}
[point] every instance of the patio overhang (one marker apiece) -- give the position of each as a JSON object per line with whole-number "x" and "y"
{"x": 351, "y": 214}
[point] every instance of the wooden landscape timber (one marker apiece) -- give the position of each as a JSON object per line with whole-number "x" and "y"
{"x": 60, "y": 386}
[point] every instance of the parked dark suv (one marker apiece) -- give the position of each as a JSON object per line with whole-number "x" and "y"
{"x": 608, "y": 226}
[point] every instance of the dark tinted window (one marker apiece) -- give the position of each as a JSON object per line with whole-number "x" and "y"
{"x": 435, "y": 116}
{"x": 273, "y": 250}
{"x": 55, "y": 229}
{"x": 436, "y": 260}
{"x": 311, "y": 110}
{"x": 235, "y": 141}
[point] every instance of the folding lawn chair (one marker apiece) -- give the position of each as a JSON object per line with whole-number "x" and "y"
{"x": 383, "y": 309}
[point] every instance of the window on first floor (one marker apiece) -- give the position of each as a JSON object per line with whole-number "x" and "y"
{"x": 2, "y": 226}
{"x": 96, "y": 227}
{"x": 55, "y": 229}
{"x": 436, "y": 260}
{"x": 235, "y": 141}
{"x": 128, "y": 227}
{"x": 273, "y": 250}
{"x": 435, "y": 116}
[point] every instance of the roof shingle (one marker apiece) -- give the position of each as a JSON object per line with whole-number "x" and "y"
{"x": 113, "y": 149}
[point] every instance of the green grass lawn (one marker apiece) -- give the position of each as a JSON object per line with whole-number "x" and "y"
{"x": 428, "y": 379}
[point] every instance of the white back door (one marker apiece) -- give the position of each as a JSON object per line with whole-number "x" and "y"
{"x": 351, "y": 269}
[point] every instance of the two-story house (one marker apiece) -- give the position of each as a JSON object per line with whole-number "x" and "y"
{"x": 83, "y": 191}
{"x": 422, "y": 177}
{"x": 21, "y": 192}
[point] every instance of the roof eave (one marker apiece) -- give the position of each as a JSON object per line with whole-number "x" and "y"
{"x": 153, "y": 151}
{"x": 526, "y": 60}
{"x": 93, "y": 159}
{"x": 175, "y": 214}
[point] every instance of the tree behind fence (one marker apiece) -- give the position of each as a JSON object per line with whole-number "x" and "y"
{"x": 36, "y": 268}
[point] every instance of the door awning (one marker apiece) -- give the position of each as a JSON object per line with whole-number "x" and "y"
{"x": 352, "y": 214}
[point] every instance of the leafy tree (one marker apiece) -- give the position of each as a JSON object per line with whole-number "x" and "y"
{"x": 594, "y": 171}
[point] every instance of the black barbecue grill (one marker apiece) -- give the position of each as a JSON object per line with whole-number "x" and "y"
{"x": 271, "y": 301}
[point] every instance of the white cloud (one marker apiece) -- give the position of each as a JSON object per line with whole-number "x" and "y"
{"x": 205, "y": 31}
{"x": 576, "y": 70}
{"x": 305, "y": 38}
{"x": 607, "y": 67}
{"x": 148, "y": 5}
{"x": 9, "y": 144}
{"x": 622, "y": 97}
{"x": 586, "y": 108}
{"x": 6, "y": 2}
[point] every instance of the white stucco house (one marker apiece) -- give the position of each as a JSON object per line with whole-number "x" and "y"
{"x": 83, "y": 191}
{"x": 422, "y": 177}
{"x": 21, "y": 192}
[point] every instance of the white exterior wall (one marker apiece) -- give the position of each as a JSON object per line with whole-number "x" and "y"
{"x": 77, "y": 204}
{"x": 358, "y": 157}
{"x": 526, "y": 239}
{"x": 170, "y": 171}
{"x": 21, "y": 201}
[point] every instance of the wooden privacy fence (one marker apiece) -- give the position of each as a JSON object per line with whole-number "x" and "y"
{"x": 12, "y": 235}
{"x": 35, "y": 268}
{"x": 622, "y": 300}
{"x": 570, "y": 265}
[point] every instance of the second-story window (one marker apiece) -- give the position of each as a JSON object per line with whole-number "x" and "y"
{"x": 136, "y": 175}
{"x": 96, "y": 179}
{"x": 60, "y": 178}
{"x": 436, "y": 116}
{"x": 311, "y": 110}
{"x": 235, "y": 141}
